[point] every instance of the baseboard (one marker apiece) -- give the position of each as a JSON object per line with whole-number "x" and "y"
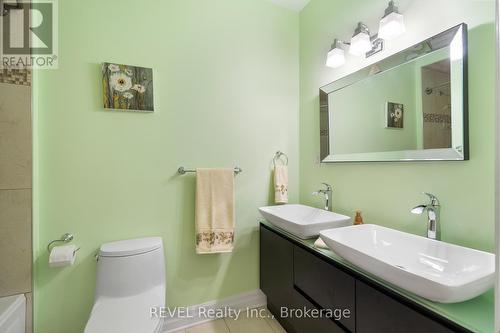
{"x": 243, "y": 301}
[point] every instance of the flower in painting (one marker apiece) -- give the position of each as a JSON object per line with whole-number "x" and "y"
{"x": 120, "y": 82}
{"x": 128, "y": 95}
{"x": 398, "y": 113}
{"x": 113, "y": 67}
{"x": 129, "y": 72}
{"x": 139, "y": 88}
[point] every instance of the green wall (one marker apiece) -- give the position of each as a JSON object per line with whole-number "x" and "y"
{"x": 226, "y": 93}
{"x": 386, "y": 192}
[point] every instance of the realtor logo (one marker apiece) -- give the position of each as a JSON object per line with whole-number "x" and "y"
{"x": 29, "y": 34}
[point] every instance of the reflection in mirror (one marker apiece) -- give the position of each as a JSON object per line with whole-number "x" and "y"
{"x": 436, "y": 105}
{"x": 409, "y": 106}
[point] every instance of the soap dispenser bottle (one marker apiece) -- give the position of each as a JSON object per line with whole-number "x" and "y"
{"x": 358, "y": 219}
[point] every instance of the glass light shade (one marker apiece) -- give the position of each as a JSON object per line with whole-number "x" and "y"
{"x": 391, "y": 26}
{"x": 335, "y": 58}
{"x": 360, "y": 44}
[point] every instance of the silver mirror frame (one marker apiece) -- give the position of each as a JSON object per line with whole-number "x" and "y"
{"x": 458, "y": 153}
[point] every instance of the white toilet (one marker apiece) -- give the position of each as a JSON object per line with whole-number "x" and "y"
{"x": 130, "y": 280}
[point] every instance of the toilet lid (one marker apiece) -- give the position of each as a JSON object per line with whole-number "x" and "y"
{"x": 126, "y": 314}
{"x": 130, "y": 247}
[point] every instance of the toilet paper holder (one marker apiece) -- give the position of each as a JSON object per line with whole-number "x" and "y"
{"x": 66, "y": 238}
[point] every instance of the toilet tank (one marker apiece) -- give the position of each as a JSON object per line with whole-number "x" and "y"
{"x": 130, "y": 267}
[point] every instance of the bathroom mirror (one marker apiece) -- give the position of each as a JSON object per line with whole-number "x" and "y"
{"x": 411, "y": 106}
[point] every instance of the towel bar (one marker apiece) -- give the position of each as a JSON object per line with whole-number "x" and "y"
{"x": 183, "y": 171}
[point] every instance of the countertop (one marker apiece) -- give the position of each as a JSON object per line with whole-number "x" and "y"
{"x": 476, "y": 314}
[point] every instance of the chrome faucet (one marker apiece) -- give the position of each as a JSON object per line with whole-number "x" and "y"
{"x": 327, "y": 193}
{"x": 433, "y": 209}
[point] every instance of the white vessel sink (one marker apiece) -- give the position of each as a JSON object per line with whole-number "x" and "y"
{"x": 435, "y": 270}
{"x": 303, "y": 221}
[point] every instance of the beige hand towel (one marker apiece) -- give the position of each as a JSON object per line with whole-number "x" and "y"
{"x": 214, "y": 210}
{"x": 281, "y": 184}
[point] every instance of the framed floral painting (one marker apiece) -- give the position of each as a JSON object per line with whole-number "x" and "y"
{"x": 127, "y": 87}
{"x": 394, "y": 115}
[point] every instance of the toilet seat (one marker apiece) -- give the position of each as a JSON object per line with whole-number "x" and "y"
{"x": 129, "y": 314}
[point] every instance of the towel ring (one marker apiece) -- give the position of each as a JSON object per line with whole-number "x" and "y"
{"x": 278, "y": 156}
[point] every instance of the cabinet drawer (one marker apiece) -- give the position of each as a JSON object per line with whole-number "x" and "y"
{"x": 276, "y": 272}
{"x": 377, "y": 312}
{"x": 306, "y": 324}
{"x": 325, "y": 284}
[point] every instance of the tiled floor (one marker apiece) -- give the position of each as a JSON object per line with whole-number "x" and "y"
{"x": 244, "y": 324}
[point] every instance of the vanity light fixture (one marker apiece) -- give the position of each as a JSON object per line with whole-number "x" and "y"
{"x": 336, "y": 55}
{"x": 392, "y": 25}
{"x": 362, "y": 43}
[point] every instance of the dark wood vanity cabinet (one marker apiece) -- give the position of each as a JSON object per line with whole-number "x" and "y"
{"x": 277, "y": 282}
{"x": 389, "y": 315}
{"x": 276, "y": 269}
{"x": 294, "y": 276}
{"x": 326, "y": 285}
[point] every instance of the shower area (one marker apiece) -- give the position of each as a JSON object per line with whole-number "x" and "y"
{"x": 436, "y": 105}
{"x": 16, "y": 259}
{"x": 15, "y": 201}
